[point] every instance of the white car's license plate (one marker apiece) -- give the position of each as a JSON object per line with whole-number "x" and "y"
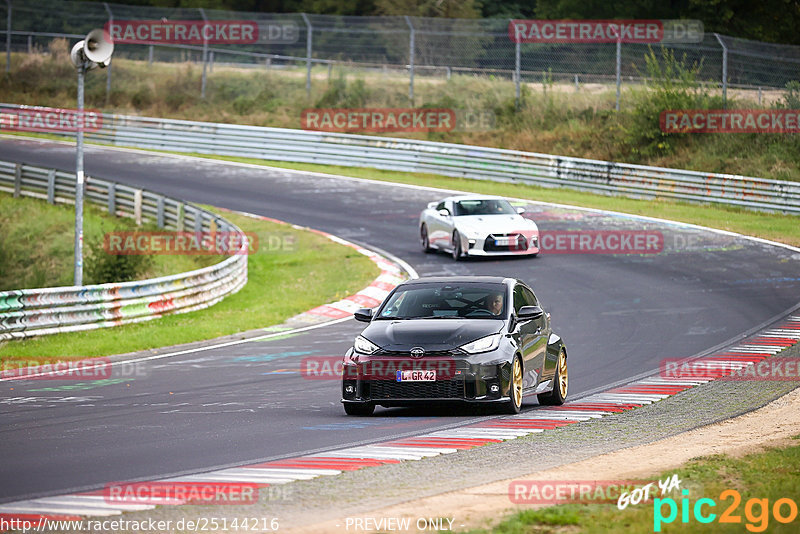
{"x": 416, "y": 376}
{"x": 502, "y": 242}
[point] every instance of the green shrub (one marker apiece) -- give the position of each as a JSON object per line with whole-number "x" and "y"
{"x": 672, "y": 84}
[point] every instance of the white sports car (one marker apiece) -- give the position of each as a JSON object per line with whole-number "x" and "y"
{"x": 477, "y": 226}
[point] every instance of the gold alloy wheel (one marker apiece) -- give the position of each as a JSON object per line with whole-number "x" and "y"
{"x": 516, "y": 384}
{"x": 563, "y": 375}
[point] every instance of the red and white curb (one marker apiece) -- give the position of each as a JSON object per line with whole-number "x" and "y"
{"x": 390, "y": 277}
{"x": 616, "y": 400}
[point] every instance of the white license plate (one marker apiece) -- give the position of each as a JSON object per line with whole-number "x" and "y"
{"x": 502, "y": 242}
{"x": 416, "y": 376}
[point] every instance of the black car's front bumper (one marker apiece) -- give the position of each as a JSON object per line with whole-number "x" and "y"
{"x": 468, "y": 383}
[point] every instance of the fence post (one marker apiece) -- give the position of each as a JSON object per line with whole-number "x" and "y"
{"x": 577, "y": 87}
{"x": 205, "y": 54}
{"x": 211, "y": 61}
{"x": 410, "y": 60}
{"x": 309, "y": 46}
{"x": 108, "y": 69}
{"x": 51, "y": 186}
{"x": 30, "y": 43}
{"x": 8, "y": 37}
{"x": 150, "y": 55}
{"x": 724, "y": 71}
{"x": 517, "y": 71}
{"x": 619, "y": 66}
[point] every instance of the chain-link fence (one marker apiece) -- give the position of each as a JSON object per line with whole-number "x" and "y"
{"x": 412, "y": 45}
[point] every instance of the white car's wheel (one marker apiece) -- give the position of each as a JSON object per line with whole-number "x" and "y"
{"x": 457, "y": 253}
{"x": 424, "y": 239}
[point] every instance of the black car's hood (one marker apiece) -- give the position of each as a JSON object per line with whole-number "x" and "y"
{"x": 430, "y": 334}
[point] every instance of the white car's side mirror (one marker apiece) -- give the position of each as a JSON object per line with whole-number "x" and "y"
{"x": 444, "y": 213}
{"x": 520, "y": 210}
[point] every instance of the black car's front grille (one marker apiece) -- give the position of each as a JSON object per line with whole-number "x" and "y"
{"x": 438, "y": 389}
{"x": 519, "y": 243}
{"x": 428, "y": 353}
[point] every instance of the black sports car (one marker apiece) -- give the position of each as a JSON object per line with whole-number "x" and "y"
{"x": 465, "y": 339}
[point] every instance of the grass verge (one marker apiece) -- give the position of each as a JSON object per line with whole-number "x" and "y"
{"x": 288, "y": 274}
{"x": 714, "y": 475}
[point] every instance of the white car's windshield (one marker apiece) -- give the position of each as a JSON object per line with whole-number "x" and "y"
{"x": 443, "y": 301}
{"x": 489, "y": 206}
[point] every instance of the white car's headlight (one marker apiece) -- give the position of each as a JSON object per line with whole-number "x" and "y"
{"x": 484, "y": 344}
{"x": 364, "y": 345}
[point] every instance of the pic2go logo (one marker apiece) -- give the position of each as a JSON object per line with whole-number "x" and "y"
{"x": 756, "y": 511}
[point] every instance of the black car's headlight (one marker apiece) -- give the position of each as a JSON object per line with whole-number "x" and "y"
{"x": 484, "y": 344}
{"x": 364, "y": 345}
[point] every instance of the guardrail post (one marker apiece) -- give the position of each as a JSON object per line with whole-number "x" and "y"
{"x": 724, "y": 71}
{"x": 137, "y": 206}
{"x": 411, "y": 47}
{"x": 181, "y": 218}
{"x": 150, "y": 55}
{"x": 112, "y": 198}
{"x": 198, "y": 221}
{"x": 8, "y": 37}
{"x": 17, "y": 180}
{"x": 51, "y": 186}
{"x": 309, "y": 37}
{"x": 160, "y": 212}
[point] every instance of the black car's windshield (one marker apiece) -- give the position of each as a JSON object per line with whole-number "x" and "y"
{"x": 446, "y": 301}
{"x": 488, "y": 206}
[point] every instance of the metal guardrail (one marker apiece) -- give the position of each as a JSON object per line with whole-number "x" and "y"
{"x": 32, "y": 312}
{"x": 480, "y": 163}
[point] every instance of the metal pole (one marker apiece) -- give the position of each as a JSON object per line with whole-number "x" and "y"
{"x": 577, "y": 87}
{"x": 8, "y": 37}
{"x": 108, "y": 73}
{"x": 517, "y": 71}
{"x": 205, "y": 55}
{"x": 309, "y": 37}
{"x": 619, "y": 65}
{"x": 79, "y": 184}
{"x": 150, "y": 55}
{"x": 724, "y": 71}
{"x": 410, "y": 60}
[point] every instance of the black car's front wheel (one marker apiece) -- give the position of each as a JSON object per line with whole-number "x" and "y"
{"x": 514, "y": 403}
{"x": 362, "y": 410}
{"x": 560, "y": 383}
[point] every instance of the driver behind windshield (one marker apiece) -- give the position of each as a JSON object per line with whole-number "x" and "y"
{"x": 494, "y": 303}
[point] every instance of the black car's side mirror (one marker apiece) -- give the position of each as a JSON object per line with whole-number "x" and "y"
{"x": 526, "y": 313}
{"x": 363, "y": 314}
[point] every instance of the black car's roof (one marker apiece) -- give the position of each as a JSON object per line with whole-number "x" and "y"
{"x": 460, "y": 280}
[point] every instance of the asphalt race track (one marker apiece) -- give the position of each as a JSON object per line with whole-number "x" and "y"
{"x": 620, "y": 315}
